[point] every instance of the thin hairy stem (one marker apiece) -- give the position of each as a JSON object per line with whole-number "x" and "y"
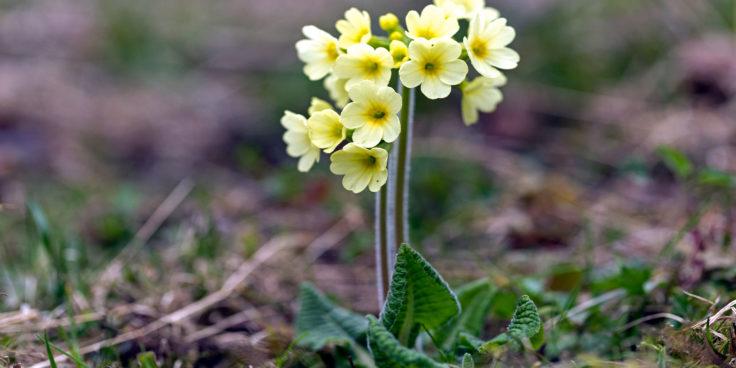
{"x": 403, "y": 167}
{"x": 392, "y": 203}
{"x": 382, "y": 246}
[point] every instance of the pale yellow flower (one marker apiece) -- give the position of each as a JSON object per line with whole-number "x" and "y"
{"x": 435, "y": 66}
{"x": 318, "y": 105}
{"x": 434, "y": 23}
{"x": 355, "y": 28}
{"x": 463, "y": 9}
{"x": 362, "y": 167}
{"x": 325, "y": 130}
{"x": 337, "y": 90}
{"x": 399, "y": 52}
{"x": 489, "y": 13}
{"x": 482, "y": 94}
{"x": 297, "y": 140}
{"x": 319, "y": 52}
{"x": 373, "y": 114}
{"x": 363, "y": 62}
{"x": 486, "y": 45}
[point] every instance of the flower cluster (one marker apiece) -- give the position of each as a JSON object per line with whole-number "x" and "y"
{"x": 357, "y": 68}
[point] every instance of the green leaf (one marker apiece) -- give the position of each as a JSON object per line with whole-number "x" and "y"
{"x": 633, "y": 279}
{"x": 147, "y": 360}
{"x": 526, "y": 321}
{"x": 418, "y": 297}
{"x": 525, "y": 324}
{"x": 676, "y": 161}
{"x": 49, "y": 353}
{"x": 322, "y": 323}
{"x": 716, "y": 178}
{"x": 537, "y": 340}
{"x": 468, "y": 361}
{"x": 50, "y": 347}
{"x": 39, "y": 225}
{"x": 469, "y": 341}
{"x": 475, "y": 300}
{"x": 389, "y": 353}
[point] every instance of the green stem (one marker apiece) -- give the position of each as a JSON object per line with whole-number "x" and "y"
{"x": 382, "y": 246}
{"x": 401, "y": 200}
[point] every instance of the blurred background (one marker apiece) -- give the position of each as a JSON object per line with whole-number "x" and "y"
{"x": 107, "y": 108}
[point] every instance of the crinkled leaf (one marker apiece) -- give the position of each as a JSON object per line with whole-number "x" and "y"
{"x": 475, "y": 300}
{"x": 418, "y": 297}
{"x": 525, "y": 324}
{"x": 468, "y": 361}
{"x": 321, "y": 323}
{"x": 389, "y": 353}
{"x": 526, "y": 321}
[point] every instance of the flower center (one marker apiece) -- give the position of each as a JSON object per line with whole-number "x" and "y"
{"x": 331, "y": 51}
{"x": 479, "y": 48}
{"x": 371, "y": 67}
{"x": 360, "y": 33}
{"x": 379, "y": 114}
{"x": 399, "y": 56}
{"x": 426, "y": 32}
{"x": 431, "y": 68}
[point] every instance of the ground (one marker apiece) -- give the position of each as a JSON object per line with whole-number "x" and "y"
{"x": 144, "y": 187}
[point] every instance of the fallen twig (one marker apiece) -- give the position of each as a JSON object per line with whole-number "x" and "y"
{"x": 164, "y": 210}
{"x": 650, "y": 317}
{"x": 263, "y": 254}
{"x": 716, "y": 316}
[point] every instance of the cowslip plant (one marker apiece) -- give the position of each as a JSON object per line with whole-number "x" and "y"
{"x": 422, "y": 311}
{"x": 367, "y": 132}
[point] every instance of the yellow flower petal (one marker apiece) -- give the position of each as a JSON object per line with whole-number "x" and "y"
{"x": 373, "y": 114}
{"x": 362, "y": 167}
{"x": 504, "y": 58}
{"x": 461, "y": 8}
{"x": 432, "y": 24}
{"x": 434, "y": 65}
{"x": 319, "y": 52}
{"x": 337, "y": 90}
{"x": 317, "y": 105}
{"x": 355, "y": 28}
{"x": 481, "y": 94}
{"x": 486, "y": 45}
{"x": 369, "y": 135}
{"x": 325, "y": 130}
{"x": 433, "y": 88}
{"x": 411, "y": 74}
{"x": 454, "y": 73}
{"x": 297, "y": 140}
{"x": 363, "y": 62}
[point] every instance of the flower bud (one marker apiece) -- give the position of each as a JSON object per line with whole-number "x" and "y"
{"x": 388, "y": 22}
{"x": 396, "y": 36}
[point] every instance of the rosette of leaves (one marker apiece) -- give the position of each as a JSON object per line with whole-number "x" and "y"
{"x": 419, "y": 301}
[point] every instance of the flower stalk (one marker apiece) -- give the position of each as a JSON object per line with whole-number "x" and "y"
{"x": 383, "y": 254}
{"x": 369, "y": 118}
{"x": 402, "y": 169}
